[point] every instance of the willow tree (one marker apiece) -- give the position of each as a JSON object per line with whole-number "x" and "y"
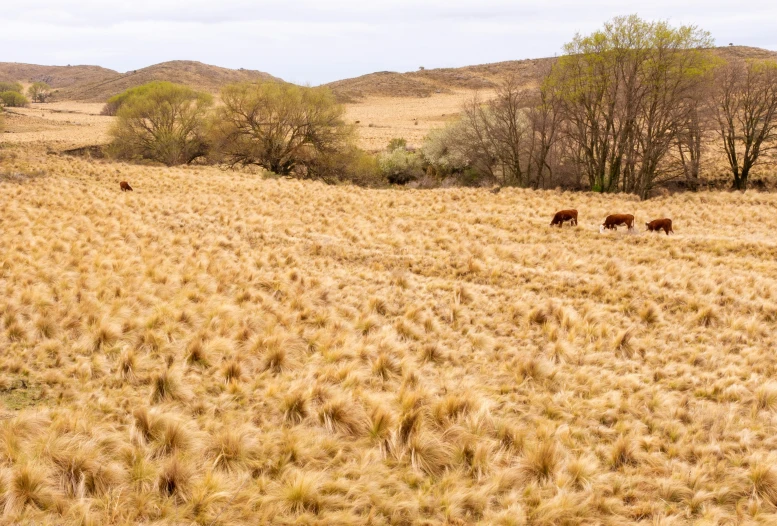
{"x": 163, "y": 122}
{"x": 626, "y": 91}
{"x": 283, "y": 128}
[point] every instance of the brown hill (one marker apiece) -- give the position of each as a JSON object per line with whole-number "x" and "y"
{"x": 195, "y": 74}
{"x": 424, "y": 83}
{"x": 57, "y": 77}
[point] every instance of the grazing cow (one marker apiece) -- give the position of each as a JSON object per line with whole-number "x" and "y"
{"x": 658, "y": 225}
{"x": 125, "y": 187}
{"x": 612, "y": 221}
{"x": 496, "y": 190}
{"x": 564, "y": 215}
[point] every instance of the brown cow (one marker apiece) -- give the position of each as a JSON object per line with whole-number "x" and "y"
{"x": 564, "y": 215}
{"x": 125, "y": 187}
{"x": 612, "y": 221}
{"x": 658, "y": 225}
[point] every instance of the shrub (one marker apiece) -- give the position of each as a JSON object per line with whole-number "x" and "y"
{"x": 397, "y": 144}
{"x": 13, "y": 99}
{"x": 162, "y": 122}
{"x": 400, "y": 166}
{"x": 286, "y": 129}
{"x": 11, "y": 86}
{"x": 39, "y": 91}
{"x": 443, "y": 150}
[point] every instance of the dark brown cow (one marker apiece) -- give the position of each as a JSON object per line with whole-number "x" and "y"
{"x": 564, "y": 215}
{"x": 658, "y": 225}
{"x": 125, "y": 187}
{"x": 612, "y": 221}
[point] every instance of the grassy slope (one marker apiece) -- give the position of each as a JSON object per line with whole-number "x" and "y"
{"x": 223, "y": 349}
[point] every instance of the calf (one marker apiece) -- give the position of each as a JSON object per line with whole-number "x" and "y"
{"x": 612, "y": 221}
{"x": 564, "y": 215}
{"x": 125, "y": 187}
{"x": 658, "y": 225}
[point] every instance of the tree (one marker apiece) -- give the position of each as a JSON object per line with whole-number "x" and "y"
{"x": 283, "y": 128}
{"x": 745, "y": 111}
{"x": 11, "y": 86}
{"x": 13, "y": 99}
{"x": 163, "y": 122}
{"x": 625, "y": 92}
{"x": 39, "y": 91}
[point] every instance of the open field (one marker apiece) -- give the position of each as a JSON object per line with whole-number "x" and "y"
{"x": 216, "y": 348}
{"x": 64, "y": 125}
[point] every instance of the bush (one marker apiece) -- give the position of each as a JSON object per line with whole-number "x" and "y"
{"x": 442, "y": 149}
{"x": 397, "y": 144}
{"x": 39, "y": 91}
{"x": 286, "y": 129}
{"x": 400, "y": 166}
{"x": 163, "y": 122}
{"x": 113, "y": 104}
{"x": 13, "y": 99}
{"x": 11, "y": 86}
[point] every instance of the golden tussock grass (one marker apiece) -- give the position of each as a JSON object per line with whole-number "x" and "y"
{"x": 218, "y": 348}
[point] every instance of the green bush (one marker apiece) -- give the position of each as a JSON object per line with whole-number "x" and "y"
{"x": 39, "y": 91}
{"x": 397, "y": 144}
{"x": 443, "y": 149}
{"x": 13, "y": 99}
{"x": 113, "y": 104}
{"x": 286, "y": 129}
{"x": 164, "y": 122}
{"x": 400, "y": 166}
{"x": 11, "y": 86}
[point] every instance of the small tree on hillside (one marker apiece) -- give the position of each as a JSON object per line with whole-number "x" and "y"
{"x": 283, "y": 128}
{"x": 162, "y": 122}
{"x": 39, "y": 91}
{"x": 745, "y": 109}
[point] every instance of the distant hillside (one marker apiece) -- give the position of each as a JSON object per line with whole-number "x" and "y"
{"x": 57, "y": 77}
{"x": 95, "y": 84}
{"x": 424, "y": 83}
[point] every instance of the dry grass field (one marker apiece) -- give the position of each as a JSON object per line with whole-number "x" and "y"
{"x": 219, "y": 348}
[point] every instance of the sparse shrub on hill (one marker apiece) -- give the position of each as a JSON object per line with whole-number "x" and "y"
{"x": 13, "y": 99}
{"x": 39, "y": 91}
{"x": 163, "y": 122}
{"x": 286, "y": 129}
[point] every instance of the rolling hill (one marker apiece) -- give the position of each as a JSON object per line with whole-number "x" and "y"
{"x": 424, "y": 83}
{"x": 96, "y": 84}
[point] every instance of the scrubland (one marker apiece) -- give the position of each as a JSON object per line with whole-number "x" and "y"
{"x": 220, "y": 348}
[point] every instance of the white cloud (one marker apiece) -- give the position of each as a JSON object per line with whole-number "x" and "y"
{"x": 306, "y": 40}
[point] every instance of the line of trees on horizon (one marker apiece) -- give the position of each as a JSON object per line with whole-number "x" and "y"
{"x": 628, "y": 108}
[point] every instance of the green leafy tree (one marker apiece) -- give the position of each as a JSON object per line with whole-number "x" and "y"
{"x": 39, "y": 91}
{"x": 13, "y": 99}
{"x": 283, "y": 128}
{"x": 626, "y": 91}
{"x": 11, "y": 86}
{"x": 163, "y": 122}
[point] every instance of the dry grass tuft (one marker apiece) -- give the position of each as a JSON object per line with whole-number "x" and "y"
{"x": 202, "y": 356}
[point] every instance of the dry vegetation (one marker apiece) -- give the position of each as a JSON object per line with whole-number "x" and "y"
{"x": 219, "y": 348}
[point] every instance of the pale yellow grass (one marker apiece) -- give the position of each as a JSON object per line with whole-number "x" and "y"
{"x": 64, "y": 125}
{"x": 217, "y": 348}
{"x": 384, "y": 118}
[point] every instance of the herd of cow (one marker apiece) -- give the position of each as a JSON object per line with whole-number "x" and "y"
{"x": 611, "y": 222}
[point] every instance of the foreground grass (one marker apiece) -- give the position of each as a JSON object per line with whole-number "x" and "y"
{"x": 214, "y": 348}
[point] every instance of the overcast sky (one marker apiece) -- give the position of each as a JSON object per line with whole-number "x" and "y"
{"x": 317, "y": 41}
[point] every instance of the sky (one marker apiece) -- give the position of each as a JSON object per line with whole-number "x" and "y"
{"x": 318, "y": 41}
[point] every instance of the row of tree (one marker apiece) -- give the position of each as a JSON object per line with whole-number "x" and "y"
{"x": 627, "y": 108}
{"x": 12, "y": 94}
{"x": 283, "y": 128}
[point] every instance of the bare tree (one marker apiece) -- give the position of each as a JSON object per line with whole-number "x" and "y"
{"x": 745, "y": 110}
